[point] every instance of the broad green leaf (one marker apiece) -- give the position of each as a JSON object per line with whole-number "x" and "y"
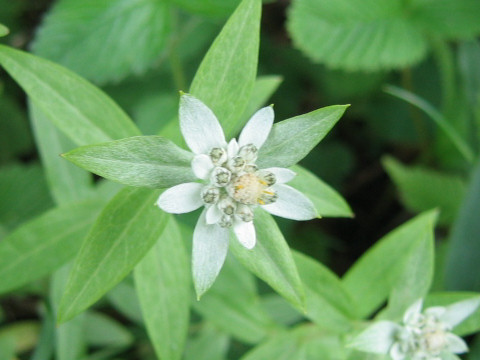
{"x": 422, "y": 189}
{"x": 75, "y": 106}
{"x": 351, "y": 35}
{"x": 101, "y": 330}
{"x": 271, "y": 259}
{"x": 3, "y": 30}
{"x": 7, "y": 349}
{"x": 67, "y": 182}
{"x": 163, "y": 284}
{"x": 23, "y": 194}
{"x": 209, "y": 344}
{"x": 233, "y": 305}
{"x": 105, "y": 40}
{"x": 25, "y": 334}
{"x": 124, "y": 298}
{"x": 371, "y": 279}
{"x": 471, "y": 324}
{"x": 462, "y": 258}
{"x": 27, "y": 253}
{"x": 280, "y": 309}
{"x": 124, "y": 232}
{"x": 291, "y": 140}
{"x": 283, "y": 346}
{"x": 149, "y": 161}
{"x": 326, "y": 200}
{"x": 226, "y": 76}
{"x": 327, "y": 302}
{"x": 216, "y": 8}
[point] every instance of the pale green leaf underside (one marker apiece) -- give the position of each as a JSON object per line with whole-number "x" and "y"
{"x": 423, "y": 189}
{"x": 75, "y": 106}
{"x": 162, "y": 280}
{"x": 225, "y": 78}
{"x": 149, "y": 161}
{"x": 105, "y": 40}
{"x": 124, "y": 232}
{"x": 327, "y": 201}
{"x": 42, "y": 245}
{"x": 271, "y": 259}
{"x": 292, "y": 139}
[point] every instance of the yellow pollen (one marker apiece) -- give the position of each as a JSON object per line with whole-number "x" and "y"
{"x": 268, "y": 192}
{"x": 261, "y": 202}
{"x": 239, "y": 187}
{"x": 262, "y": 182}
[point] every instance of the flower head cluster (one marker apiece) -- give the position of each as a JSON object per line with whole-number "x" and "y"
{"x": 422, "y": 335}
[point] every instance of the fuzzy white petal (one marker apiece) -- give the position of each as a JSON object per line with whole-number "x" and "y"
{"x": 210, "y": 245}
{"x": 213, "y": 215}
{"x": 181, "y": 198}
{"x": 459, "y": 311}
{"x": 199, "y": 125}
{"x": 257, "y": 128}
{"x": 245, "y": 232}
{"x": 232, "y": 148}
{"x": 202, "y": 166}
{"x": 413, "y": 312}
{"x": 456, "y": 344}
{"x": 291, "y": 204}
{"x": 377, "y": 338}
{"x": 396, "y": 352}
{"x": 282, "y": 175}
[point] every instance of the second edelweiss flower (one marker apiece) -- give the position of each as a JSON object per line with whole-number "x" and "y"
{"x": 232, "y": 186}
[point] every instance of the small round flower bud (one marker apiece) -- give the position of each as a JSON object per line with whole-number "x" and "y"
{"x": 227, "y": 205}
{"x": 236, "y": 164}
{"x": 218, "y": 156}
{"x": 267, "y": 176}
{"x": 210, "y": 194}
{"x": 244, "y": 212}
{"x": 249, "y": 152}
{"x": 220, "y": 176}
{"x": 226, "y": 221}
{"x": 250, "y": 168}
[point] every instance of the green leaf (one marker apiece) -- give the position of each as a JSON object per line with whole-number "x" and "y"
{"x": 291, "y": 140}
{"x": 462, "y": 258}
{"x": 214, "y": 8}
{"x": 328, "y": 304}
{"x": 209, "y": 344}
{"x": 25, "y": 335}
{"x": 124, "y": 298}
{"x": 226, "y": 76}
{"x": 327, "y": 201}
{"x": 163, "y": 285}
{"x": 3, "y": 30}
{"x": 368, "y": 35}
{"x": 271, "y": 259}
{"x": 150, "y": 161}
{"x": 371, "y": 279}
{"x": 232, "y": 304}
{"x": 471, "y": 324}
{"x": 27, "y": 253}
{"x": 422, "y": 189}
{"x": 280, "y": 309}
{"x": 126, "y": 229}
{"x": 67, "y": 182}
{"x": 105, "y": 40}
{"x": 102, "y": 330}
{"x": 78, "y": 108}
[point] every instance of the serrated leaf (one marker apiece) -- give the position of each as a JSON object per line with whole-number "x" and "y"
{"x": 150, "y": 161}
{"x": 422, "y": 189}
{"x": 328, "y": 304}
{"x": 271, "y": 259}
{"x": 124, "y": 232}
{"x": 368, "y": 35}
{"x": 162, "y": 280}
{"x": 326, "y": 200}
{"x": 371, "y": 279}
{"x": 78, "y": 108}
{"x": 225, "y": 78}
{"x": 27, "y": 252}
{"x": 291, "y": 140}
{"x": 105, "y": 40}
{"x": 232, "y": 304}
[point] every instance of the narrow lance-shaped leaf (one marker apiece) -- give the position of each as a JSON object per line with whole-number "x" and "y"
{"x": 44, "y": 244}
{"x": 149, "y": 161}
{"x": 127, "y": 228}
{"x": 225, "y": 78}
{"x": 291, "y": 140}
{"x": 75, "y": 106}
{"x": 271, "y": 259}
{"x": 163, "y": 285}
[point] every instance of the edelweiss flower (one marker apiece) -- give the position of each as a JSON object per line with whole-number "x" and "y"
{"x": 422, "y": 335}
{"x": 231, "y": 184}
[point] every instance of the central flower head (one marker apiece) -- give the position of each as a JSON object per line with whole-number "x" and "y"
{"x": 250, "y": 189}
